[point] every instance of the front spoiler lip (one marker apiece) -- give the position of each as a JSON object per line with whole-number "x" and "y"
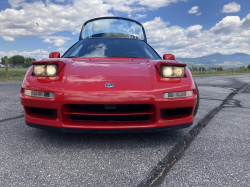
{"x": 105, "y": 131}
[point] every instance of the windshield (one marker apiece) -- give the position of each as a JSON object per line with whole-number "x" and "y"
{"x": 116, "y": 47}
{"x": 113, "y": 27}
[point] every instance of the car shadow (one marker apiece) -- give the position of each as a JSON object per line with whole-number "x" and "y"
{"x": 111, "y": 141}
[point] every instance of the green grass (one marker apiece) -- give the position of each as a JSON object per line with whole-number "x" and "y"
{"x": 212, "y": 73}
{"x": 14, "y": 74}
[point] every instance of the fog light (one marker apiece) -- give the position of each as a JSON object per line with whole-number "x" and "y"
{"x": 34, "y": 93}
{"x": 178, "y": 94}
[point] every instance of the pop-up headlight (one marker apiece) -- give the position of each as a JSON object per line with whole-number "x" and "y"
{"x": 170, "y": 71}
{"x": 46, "y": 70}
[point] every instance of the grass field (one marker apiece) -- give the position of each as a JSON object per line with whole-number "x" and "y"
{"x": 213, "y": 73}
{"x": 17, "y": 74}
{"x": 14, "y": 74}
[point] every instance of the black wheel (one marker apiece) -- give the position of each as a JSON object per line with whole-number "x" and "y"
{"x": 198, "y": 100}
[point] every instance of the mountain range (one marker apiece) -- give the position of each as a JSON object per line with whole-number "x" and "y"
{"x": 219, "y": 60}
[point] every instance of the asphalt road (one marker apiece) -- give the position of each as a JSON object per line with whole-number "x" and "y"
{"x": 214, "y": 151}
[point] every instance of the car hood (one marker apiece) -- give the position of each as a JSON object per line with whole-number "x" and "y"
{"x": 125, "y": 74}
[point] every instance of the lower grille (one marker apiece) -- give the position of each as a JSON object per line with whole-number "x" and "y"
{"x": 120, "y": 108}
{"x": 110, "y": 112}
{"x": 110, "y": 117}
{"x": 175, "y": 112}
{"x": 43, "y": 111}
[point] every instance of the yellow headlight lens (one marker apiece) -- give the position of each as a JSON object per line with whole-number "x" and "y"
{"x": 39, "y": 70}
{"x": 167, "y": 72}
{"x": 178, "y": 72}
{"x": 51, "y": 70}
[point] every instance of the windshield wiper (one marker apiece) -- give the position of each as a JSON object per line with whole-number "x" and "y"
{"x": 71, "y": 57}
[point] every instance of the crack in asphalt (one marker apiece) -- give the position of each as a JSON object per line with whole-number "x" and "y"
{"x": 8, "y": 119}
{"x": 212, "y": 99}
{"x": 159, "y": 172}
{"x": 235, "y": 107}
{"x": 216, "y": 86}
{"x": 233, "y": 103}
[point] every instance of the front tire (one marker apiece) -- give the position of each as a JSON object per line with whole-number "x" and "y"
{"x": 198, "y": 100}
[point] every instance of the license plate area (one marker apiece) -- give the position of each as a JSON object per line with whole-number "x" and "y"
{"x": 110, "y": 107}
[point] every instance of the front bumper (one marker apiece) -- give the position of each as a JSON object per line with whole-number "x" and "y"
{"x": 141, "y": 130}
{"x": 63, "y": 122}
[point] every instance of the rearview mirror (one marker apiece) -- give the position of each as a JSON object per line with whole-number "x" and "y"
{"x": 168, "y": 57}
{"x": 54, "y": 55}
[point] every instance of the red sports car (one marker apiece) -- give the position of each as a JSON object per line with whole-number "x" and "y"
{"x": 111, "y": 80}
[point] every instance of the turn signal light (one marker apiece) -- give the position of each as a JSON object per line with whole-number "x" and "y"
{"x": 178, "y": 94}
{"x": 33, "y": 93}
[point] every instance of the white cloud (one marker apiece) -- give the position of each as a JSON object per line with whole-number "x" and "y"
{"x": 230, "y": 63}
{"x": 231, "y": 8}
{"x": 138, "y": 16}
{"x": 230, "y": 35}
{"x": 158, "y": 3}
{"x": 53, "y": 17}
{"x": 58, "y": 41}
{"x": 194, "y": 31}
{"x": 37, "y": 54}
{"x": 157, "y": 24}
{"x": 59, "y": 1}
{"x": 15, "y": 3}
{"x": 62, "y": 50}
{"x": 193, "y": 10}
{"x": 198, "y": 14}
{"x": 228, "y": 25}
{"x": 246, "y": 22}
{"x": 47, "y": 40}
{"x": 141, "y": 5}
{"x": 8, "y": 38}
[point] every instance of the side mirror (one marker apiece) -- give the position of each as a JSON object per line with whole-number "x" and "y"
{"x": 168, "y": 57}
{"x": 54, "y": 55}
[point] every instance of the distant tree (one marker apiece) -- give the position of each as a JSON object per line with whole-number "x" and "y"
{"x": 27, "y": 62}
{"x": 16, "y": 60}
{"x": 2, "y": 61}
{"x": 248, "y": 66}
{"x": 242, "y": 67}
{"x": 195, "y": 69}
{"x": 203, "y": 69}
{"x": 219, "y": 68}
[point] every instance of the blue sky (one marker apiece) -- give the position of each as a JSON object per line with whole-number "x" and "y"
{"x": 185, "y": 28}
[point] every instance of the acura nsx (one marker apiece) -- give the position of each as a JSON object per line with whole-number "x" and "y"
{"x": 111, "y": 80}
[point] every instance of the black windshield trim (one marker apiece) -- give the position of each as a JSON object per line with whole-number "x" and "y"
{"x": 153, "y": 49}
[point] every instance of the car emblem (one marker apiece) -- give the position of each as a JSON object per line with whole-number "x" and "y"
{"x": 109, "y": 85}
